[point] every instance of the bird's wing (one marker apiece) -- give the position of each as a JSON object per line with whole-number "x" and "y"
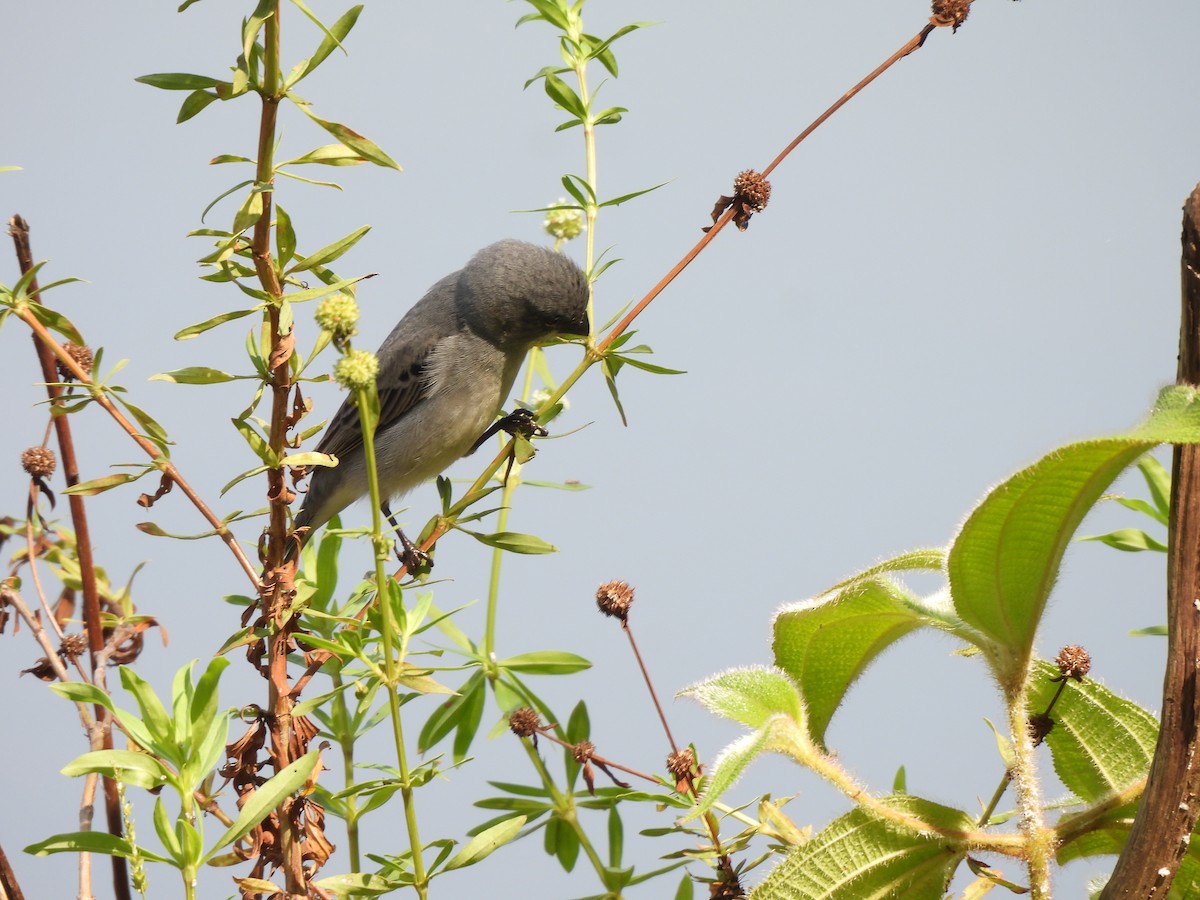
{"x": 402, "y": 385}
{"x": 404, "y": 361}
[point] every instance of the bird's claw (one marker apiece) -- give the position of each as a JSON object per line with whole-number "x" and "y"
{"x": 520, "y": 422}
{"x": 412, "y": 557}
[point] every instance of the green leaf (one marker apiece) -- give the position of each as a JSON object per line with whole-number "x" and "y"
{"x": 328, "y": 254}
{"x": 267, "y": 797}
{"x": 514, "y": 542}
{"x": 826, "y": 643}
{"x": 728, "y": 767}
{"x": 285, "y": 237}
{"x": 361, "y": 145}
{"x": 331, "y": 288}
{"x": 197, "y": 375}
{"x": 579, "y": 189}
{"x": 55, "y": 320}
{"x": 179, "y": 81}
{"x": 609, "y": 367}
{"x": 1101, "y": 744}
{"x": 126, "y": 766}
{"x": 327, "y": 155}
{"x": 452, "y": 712}
{"x": 79, "y": 692}
{"x": 258, "y": 444}
{"x": 192, "y": 330}
{"x": 249, "y": 212}
{"x": 153, "y": 715}
{"x": 485, "y": 843}
{"x": 356, "y": 884}
{"x": 334, "y": 35}
{"x": 194, "y": 104}
{"x": 91, "y": 842}
{"x": 562, "y": 94}
{"x": 859, "y": 855}
{"x": 545, "y": 662}
{"x": 751, "y": 696}
{"x": 1139, "y": 505}
{"x": 1130, "y": 539}
{"x": 105, "y": 483}
{"x": 557, "y": 485}
{"x": 1004, "y": 561}
{"x": 616, "y": 838}
{"x": 150, "y": 426}
{"x": 617, "y": 201}
{"x": 154, "y": 530}
{"x": 1158, "y": 482}
{"x": 645, "y": 366}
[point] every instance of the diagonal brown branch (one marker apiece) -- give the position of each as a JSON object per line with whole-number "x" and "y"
{"x": 164, "y": 465}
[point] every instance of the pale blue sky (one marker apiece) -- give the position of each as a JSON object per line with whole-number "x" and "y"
{"x": 975, "y": 261}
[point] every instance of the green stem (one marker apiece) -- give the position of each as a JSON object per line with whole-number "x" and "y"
{"x": 1039, "y": 840}
{"x": 384, "y": 586}
{"x": 565, "y": 809}
{"x": 345, "y": 739}
{"x": 506, "y": 494}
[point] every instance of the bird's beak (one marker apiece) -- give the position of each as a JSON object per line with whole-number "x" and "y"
{"x": 579, "y": 328}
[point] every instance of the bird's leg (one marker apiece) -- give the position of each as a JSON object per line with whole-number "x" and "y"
{"x": 410, "y": 555}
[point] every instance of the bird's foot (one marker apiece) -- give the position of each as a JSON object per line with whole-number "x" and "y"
{"x": 518, "y": 423}
{"x": 412, "y": 557}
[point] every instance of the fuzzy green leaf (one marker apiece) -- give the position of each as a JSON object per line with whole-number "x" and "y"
{"x": 750, "y": 696}
{"x": 1005, "y": 559}
{"x": 1101, "y": 743}
{"x": 859, "y": 855}
{"x": 826, "y": 643}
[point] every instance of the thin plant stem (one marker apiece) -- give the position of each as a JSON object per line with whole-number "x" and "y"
{"x": 662, "y": 716}
{"x": 564, "y": 805}
{"x": 1038, "y": 839}
{"x": 346, "y": 744}
{"x": 382, "y": 548}
{"x": 511, "y": 481}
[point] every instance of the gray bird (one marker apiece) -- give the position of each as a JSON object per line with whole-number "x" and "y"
{"x": 446, "y": 370}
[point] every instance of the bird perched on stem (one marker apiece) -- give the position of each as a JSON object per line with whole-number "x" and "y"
{"x": 445, "y": 371}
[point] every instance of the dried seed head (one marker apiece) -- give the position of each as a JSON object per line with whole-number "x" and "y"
{"x": 614, "y": 599}
{"x": 81, "y": 355}
{"x": 39, "y": 462}
{"x": 1039, "y": 726}
{"x": 73, "y": 646}
{"x": 524, "y": 722}
{"x": 584, "y": 751}
{"x": 1073, "y": 661}
{"x": 681, "y": 762}
{"x": 751, "y": 190}
{"x": 950, "y": 12}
